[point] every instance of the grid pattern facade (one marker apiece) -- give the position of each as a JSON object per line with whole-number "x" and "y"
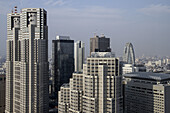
{"x": 98, "y": 88}
{"x": 76, "y": 92}
{"x": 64, "y": 98}
{"x": 102, "y": 86}
{"x": 27, "y": 62}
{"x": 146, "y": 96}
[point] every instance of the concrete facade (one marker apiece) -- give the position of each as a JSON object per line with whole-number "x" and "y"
{"x": 27, "y": 62}
{"x": 64, "y": 98}
{"x": 129, "y": 68}
{"x": 146, "y": 93}
{"x": 98, "y": 88}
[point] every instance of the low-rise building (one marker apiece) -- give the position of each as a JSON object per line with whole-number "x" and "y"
{"x": 146, "y": 92}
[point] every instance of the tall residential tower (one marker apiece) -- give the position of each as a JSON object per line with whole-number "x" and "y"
{"x": 27, "y": 62}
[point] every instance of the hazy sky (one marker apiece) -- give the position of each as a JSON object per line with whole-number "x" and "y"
{"x": 144, "y": 23}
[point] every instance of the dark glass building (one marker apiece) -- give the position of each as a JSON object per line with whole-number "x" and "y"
{"x": 100, "y": 44}
{"x": 62, "y": 62}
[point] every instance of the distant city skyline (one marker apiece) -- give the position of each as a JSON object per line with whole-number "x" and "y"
{"x": 144, "y": 23}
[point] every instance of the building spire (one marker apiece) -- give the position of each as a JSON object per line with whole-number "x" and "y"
{"x": 15, "y": 9}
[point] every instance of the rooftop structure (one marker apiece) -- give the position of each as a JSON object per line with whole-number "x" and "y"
{"x": 146, "y": 92}
{"x": 62, "y": 38}
{"x": 149, "y": 76}
{"x": 100, "y": 44}
{"x": 102, "y": 55}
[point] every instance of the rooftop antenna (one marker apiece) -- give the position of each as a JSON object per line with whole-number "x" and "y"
{"x": 102, "y": 35}
{"x": 12, "y": 11}
{"x": 94, "y": 34}
{"x": 15, "y": 9}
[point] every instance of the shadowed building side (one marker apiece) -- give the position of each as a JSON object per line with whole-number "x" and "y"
{"x": 62, "y": 62}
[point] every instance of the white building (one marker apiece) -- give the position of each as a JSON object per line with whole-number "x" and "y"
{"x": 27, "y": 62}
{"x": 64, "y": 98}
{"x": 128, "y": 68}
{"x": 79, "y": 55}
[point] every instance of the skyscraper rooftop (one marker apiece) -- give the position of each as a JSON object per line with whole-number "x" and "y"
{"x": 102, "y": 55}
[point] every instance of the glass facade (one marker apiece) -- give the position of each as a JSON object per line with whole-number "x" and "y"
{"x": 62, "y": 63}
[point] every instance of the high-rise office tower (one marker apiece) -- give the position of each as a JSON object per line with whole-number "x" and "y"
{"x": 102, "y": 84}
{"x": 146, "y": 92}
{"x": 129, "y": 54}
{"x": 27, "y": 62}
{"x": 97, "y": 89}
{"x": 62, "y": 62}
{"x": 2, "y": 93}
{"x": 100, "y": 44}
{"x": 79, "y": 56}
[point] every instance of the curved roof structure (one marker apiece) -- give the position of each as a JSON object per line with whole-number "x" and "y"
{"x": 128, "y": 54}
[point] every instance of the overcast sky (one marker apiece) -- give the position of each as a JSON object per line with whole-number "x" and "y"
{"x": 144, "y": 23}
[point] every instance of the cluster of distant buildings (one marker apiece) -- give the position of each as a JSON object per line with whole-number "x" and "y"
{"x": 155, "y": 64}
{"x": 69, "y": 82}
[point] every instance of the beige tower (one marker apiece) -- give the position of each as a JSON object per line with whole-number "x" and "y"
{"x": 97, "y": 89}
{"x": 27, "y": 62}
{"x": 102, "y": 84}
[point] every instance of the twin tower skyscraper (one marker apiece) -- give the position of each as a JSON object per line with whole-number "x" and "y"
{"x": 27, "y": 62}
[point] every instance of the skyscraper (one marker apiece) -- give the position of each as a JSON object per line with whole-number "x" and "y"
{"x": 62, "y": 62}
{"x": 129, "y": 54}
{"x": 97, "y": 89}
{"x": 27, "y": 62}
{"x": 79, "y": 55}
{"x": 100, "y": 44}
